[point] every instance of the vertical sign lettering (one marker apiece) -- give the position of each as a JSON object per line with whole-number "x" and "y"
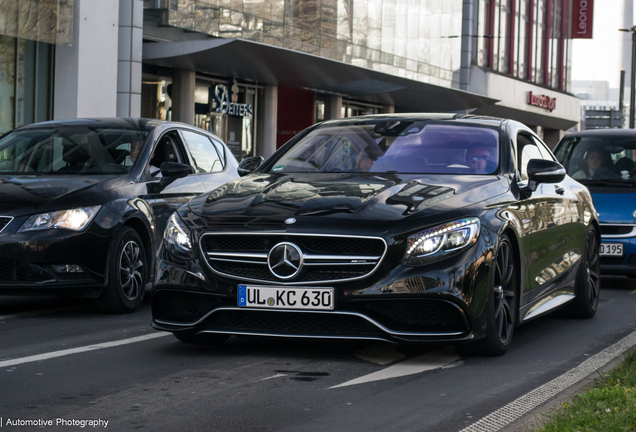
{"x": 582, "y": 18}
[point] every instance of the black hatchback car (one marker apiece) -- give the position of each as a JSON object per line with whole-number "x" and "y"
{"x": 84, "y": 203}
{"x": 405, "y": 228}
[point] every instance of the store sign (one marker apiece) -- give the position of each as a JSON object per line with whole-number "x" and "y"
{"x": 582, "y": 17}
{"x": 224, "y": 103}
{"x": 542, "y": 101}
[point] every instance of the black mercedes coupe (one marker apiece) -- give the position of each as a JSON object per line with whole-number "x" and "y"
{"x": 400, "y": 227}
{"x": 84, "y": 203}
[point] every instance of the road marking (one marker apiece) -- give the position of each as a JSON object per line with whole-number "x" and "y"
{"x": 272, "y": 377}
{"x": 433, "y": 360}
{"x": 43, "y": 311}
{"x": 516, "y": 409}
{"x": 54, "y": 354}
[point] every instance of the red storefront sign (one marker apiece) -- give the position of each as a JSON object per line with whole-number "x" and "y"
{"x": 542, "y": 101}
{"x": 582, "y": 18}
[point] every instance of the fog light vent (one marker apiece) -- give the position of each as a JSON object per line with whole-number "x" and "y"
{"x": 67, "y": 268}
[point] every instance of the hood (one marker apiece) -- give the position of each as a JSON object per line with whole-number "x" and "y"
{"x": 22, "y": 195}
{"x": 615, "y": 208}
{"x": 388, "y": 197}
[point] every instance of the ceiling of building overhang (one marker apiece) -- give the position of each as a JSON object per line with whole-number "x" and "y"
{"x": 267, "y": 64}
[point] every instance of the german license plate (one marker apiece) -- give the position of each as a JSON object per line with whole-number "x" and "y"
{"x": 611, "y": 249}
{"x": 285, "y": 297}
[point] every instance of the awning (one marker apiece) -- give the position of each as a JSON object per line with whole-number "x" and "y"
{"x": 267, "y": 64}
{"x": 526, "y": 117}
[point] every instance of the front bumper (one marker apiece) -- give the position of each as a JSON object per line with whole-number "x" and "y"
{"x": 443, "y": 301}
{"x": 624, "y": 265}
{"x": 27, "y": 259}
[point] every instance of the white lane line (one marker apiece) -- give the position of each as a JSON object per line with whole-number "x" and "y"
{"x": 272, "y": 377}
{"x": 54, "y": 354}
{"x": 43, "y": 312}
{"x": 433, "y": 360}
{"x": 380, "y": 353}
{"x": 516, "y": 409}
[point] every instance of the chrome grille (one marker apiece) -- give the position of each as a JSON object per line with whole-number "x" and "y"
{"x": 325, "y": 258}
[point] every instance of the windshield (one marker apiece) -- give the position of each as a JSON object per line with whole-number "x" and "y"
{"x": 70, "y": 150}
{"x": 394, "y": 146}
{"x": 599, "y": 159}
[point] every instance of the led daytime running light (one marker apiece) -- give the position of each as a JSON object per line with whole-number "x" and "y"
{"x": 437, "y": 231}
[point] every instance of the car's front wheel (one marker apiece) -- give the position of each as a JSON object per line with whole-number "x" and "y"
{"x": 127, "y": 274}
{"x": 587, "y": 287}
{"x": 502, "y": 305}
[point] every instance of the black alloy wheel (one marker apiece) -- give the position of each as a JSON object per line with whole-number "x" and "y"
{"x": 502, "y": 306}
{"x": 127, "y": 274}
{"x": 588, "y": 279}
{"x": 131, "y": 278}
{"x": 504, "y": 299}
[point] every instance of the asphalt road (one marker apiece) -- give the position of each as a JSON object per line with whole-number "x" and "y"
{"x": 62, "y": 361}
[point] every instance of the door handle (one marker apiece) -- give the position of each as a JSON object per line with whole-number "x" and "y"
{"x": 559, "y": 190}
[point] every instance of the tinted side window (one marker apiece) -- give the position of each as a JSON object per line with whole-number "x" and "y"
{"x": 526, "y": 150}
{"x": 204, "y": 152}
{"x": 220, "y": 149}
{"x": 543, "y": 149}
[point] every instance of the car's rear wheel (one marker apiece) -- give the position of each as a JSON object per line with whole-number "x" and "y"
{"x": 191, "y": 337}
{"x": 127, "y": 274}
{"x": 587, "y": 287}
{"x": 502, "y": 305}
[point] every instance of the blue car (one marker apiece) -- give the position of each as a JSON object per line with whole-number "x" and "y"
{"x": 604, "y": 160}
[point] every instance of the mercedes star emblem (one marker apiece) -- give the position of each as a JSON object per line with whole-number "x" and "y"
{"x": 285, "y": 260}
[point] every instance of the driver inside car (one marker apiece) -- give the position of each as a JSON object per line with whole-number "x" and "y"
{"x": 477, "y": 158}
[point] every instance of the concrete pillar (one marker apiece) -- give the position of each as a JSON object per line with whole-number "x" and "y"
{"x": 270, "y": 121}
{"x": 552, "y": 137}
{"x": 131, "y": 17}
{"x": 183, "y": 95}
{"x": 389, "y": 109}
{"x": 469, "y": 29}
{"x": 85, "y": 84}
{"x": 333, "y": 107}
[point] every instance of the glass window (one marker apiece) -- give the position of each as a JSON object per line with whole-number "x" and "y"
{"x": 381, "y": 146}
{"x": 203, "y": 151}
{"x": 220, "y": 148}
{"x": 594, "y": 158}
{"x": 526, "y": 150}
{"x": 7, "y": 83}
{"x": 43, "y": 90}
{"x": 26, "y": 82}
{"x": 70, "y": 150}
{"x": 33, "y": 99}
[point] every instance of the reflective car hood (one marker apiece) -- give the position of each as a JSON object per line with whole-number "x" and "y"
{"x": 23, "y": 195}
{"x": 275, "y": 196}
{"x": 615, "y": 207}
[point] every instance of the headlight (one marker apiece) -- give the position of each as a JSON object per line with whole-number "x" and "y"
{"x": 441, "y": 241}
{"x": 176, "y": 238}
{"x": 74, "y": 219}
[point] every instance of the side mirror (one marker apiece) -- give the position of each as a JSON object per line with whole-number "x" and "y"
{"x": 248, "y": 165}
{"x": 170, "y": 171}
{"x": 175, "y": 170}
{"x": 544, "y": 171}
